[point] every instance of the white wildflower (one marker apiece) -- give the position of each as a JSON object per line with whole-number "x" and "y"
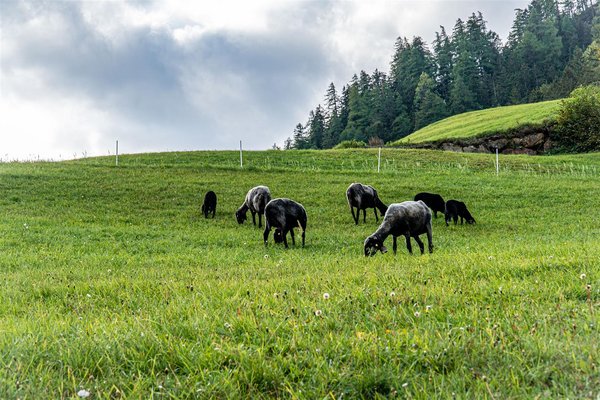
{"x": 83, "y": 393}
{"x": 326, "y": 296}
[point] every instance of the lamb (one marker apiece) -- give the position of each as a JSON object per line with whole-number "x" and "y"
{"x": 455, "y": 209}
{"x": 210, "y": 204}
{"x": 284, "y": 215}
{"x": 409, "y": 218}
{"x": 256, "y": 200}
{"x": 363, "y": 197}
{"x": 433, "y": 201}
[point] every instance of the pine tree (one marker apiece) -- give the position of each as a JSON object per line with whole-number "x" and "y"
{"x": 357, "y": 116}
{"x": 465, "y": 77}
{"x": 300, "y": 138}
{"x": 429, "y": 106}
{"x": 443, "y": 62}
{"x": 316, "y": 128}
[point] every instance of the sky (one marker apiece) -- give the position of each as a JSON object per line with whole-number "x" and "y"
{"x": 76, "y": 76}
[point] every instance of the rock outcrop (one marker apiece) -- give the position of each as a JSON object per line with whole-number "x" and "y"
{"x": 526, "y": 140}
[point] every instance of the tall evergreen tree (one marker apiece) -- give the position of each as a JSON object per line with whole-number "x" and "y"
{"x": 465, "y": 78}
{"x": 443, "y": 62}
{"x": 409, "y": 62}
{"x": 316, "y": 128}
{"x": 358, "y": 118}
{"x": 300, "y": 139}
{"x": 332, "y": 118}
{"x": 429, "y": 106}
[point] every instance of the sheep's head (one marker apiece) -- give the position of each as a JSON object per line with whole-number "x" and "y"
{"x": 278, "y": 236}
{"x": 240, "y": 216}
{"x": 373, "y": 244}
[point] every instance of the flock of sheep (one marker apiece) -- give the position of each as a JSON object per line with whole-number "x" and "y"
{"x": 408, "y": 219}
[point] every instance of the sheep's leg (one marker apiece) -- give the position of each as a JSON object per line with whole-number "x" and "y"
{"x": 394, "y": 244}
{"x": 303, "y": 235}
{"x": 292, "y": 235}
{"x": 259, "y": 220}
{"x": 435, "y": 214}
{"x": 420, "y": 243}
{"x": 376, "y": 217}
{"x": 284, "y": 233}
{"x": 429, "y": 239}
{"x": 408, "y": 245}
{"x": 266, "y": 233}
{"x": 461, "y": 220}
{"x": 455, "y": 218}
{"x": 447, "y": 218}
{"x": 355, "y": 218}
{"x": 253, "y": 217}
{"x": 365, "y": 215}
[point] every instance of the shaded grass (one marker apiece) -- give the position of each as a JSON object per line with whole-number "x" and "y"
{"x": 484, "y": 122}
{"x": 112, "y": 281}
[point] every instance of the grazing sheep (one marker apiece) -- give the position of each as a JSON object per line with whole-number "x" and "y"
{"x": 455, "y": 209}
{"x": 410, "y": 219}
{"x": 210, "y": 204}
{"x": 433, "y": 201}
{"x": 363, "y": 197}
{"x": 284, "y": 215}
{"x": 256, "y": 200}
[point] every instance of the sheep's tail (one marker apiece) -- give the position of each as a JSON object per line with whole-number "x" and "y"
{"x": 299, "y": 222}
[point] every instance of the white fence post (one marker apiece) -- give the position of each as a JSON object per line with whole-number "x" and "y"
{"x": 117, "y": 154}
{"x": 379, "y": 160}
{"x": 241, "y": 159}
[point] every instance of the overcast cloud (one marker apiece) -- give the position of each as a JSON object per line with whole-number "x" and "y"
{"x": 179, "y": 75}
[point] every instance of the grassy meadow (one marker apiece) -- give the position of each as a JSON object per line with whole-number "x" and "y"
{"x": 114, "y": 286}
{"x": 484, "y": 122}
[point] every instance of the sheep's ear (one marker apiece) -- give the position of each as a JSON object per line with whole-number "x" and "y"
{"x": 383, "y": 249}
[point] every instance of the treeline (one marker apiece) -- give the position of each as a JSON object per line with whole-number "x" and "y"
{"x": 553, "y": 47}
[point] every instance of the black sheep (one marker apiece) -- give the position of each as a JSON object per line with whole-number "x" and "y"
{"x": 455, "y": 209}
{"x": 363, "y": 197}
{"x": 210, "y": 204}
{"x": 284, "y": 215}
{"x": 433, "y": 201}
{"x": 255, "y": 201}
{"x": 409, "y": 219}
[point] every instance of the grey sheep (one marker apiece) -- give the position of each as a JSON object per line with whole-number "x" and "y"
{"x": 256, "y": 200}
{"x": 363, "y": 197}
{"x": 409, "y": 219}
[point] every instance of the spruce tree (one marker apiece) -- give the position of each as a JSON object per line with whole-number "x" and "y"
{"x": 429, "y": 106}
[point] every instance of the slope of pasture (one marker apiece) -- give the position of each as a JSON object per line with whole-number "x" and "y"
{"x": 484, "y": 122}
{"x": 112, "y": 283}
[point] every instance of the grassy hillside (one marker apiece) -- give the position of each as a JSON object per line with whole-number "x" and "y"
{"x": 112, "y": 283}
{"x": 483, "y": 122}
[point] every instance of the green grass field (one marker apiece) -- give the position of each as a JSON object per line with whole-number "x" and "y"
{"x": 484, "y": 122}
{"x": 112, "y": 283}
